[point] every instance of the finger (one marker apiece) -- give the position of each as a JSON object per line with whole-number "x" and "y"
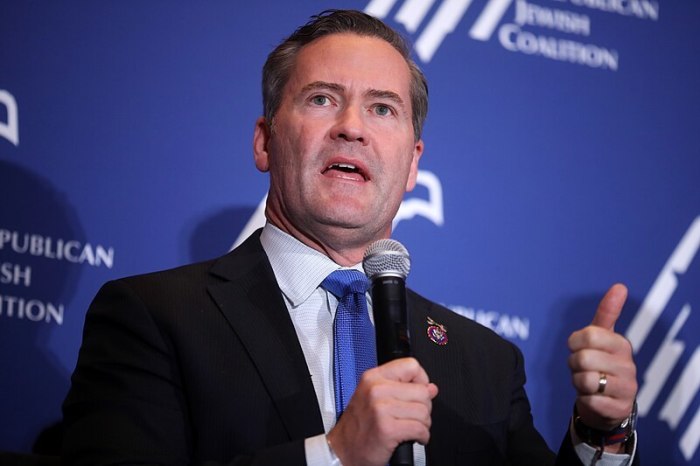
{"x": 600, "y": 339}
{"x": 401, "y": 410}
{"x": 389, "y": 390}
{"x": 599, "y": 361}
{"x": 412, "y": 431}
{"x": 433, "y": 390}
{"x": 402, "y": 370}
{"x": 394, "y": 431}
{"x": 588, "y": 384}
{"x": 610, "y": 307}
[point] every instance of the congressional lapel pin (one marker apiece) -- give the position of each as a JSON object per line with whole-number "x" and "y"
{"x": 437, "y": 332}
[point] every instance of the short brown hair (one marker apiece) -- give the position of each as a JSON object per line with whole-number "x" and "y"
{"x": 280, "y": 62}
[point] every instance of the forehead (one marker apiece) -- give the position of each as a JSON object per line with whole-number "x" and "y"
{"x": 358, "y": 63}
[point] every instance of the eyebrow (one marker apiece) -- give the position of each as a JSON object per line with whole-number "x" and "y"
{"x": 372, "y": 93}
{"x": 389, "y": 95}
{"x": 317, "y": 85}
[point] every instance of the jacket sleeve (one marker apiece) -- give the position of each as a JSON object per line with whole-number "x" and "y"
{"x": 126, "y": 404}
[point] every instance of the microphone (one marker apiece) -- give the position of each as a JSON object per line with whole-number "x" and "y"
{"x": 387, "y": 263}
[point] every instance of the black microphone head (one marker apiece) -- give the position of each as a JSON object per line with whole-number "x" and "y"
{"x": 386, "y": 257}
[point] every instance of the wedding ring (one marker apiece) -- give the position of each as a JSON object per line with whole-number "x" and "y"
{"x": 602, "y": 382}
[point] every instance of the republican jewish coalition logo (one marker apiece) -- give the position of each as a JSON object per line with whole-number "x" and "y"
{"x": 671, "y": 381}
{"x": 413, "y": 12}
{"x": 567, "y": 25}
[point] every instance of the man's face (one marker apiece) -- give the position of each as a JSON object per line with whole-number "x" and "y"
{"x": 341, "y": 152}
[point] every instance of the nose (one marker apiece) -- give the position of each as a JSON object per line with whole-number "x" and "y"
{"x": 349, "y": 125}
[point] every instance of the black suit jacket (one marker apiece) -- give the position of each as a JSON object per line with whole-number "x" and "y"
{"x": 202, "y": 364}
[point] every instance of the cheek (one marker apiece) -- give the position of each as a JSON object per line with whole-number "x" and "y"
{"x": 286, "y": 164}
{"x": 294, "y": 144}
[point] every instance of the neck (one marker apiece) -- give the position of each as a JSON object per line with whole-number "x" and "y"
{"x": 342, "y": 245}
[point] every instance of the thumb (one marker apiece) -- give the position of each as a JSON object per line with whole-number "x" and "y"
{"x": 610, "y": 307}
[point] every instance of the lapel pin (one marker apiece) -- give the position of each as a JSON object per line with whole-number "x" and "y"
{"x": 437, "y": 332}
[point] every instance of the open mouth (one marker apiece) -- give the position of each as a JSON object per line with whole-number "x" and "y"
{"x": 346, "y": 168}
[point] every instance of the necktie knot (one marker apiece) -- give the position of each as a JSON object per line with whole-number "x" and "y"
{"x": 346, "y": 282}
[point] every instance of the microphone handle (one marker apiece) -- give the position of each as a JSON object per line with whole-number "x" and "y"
{"x": 393, "y": 339}
{"x": 403, "y": 455}
{"x": 390, "y": 318}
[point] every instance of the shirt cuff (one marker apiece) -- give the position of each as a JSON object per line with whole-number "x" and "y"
{"x": 318, "y": 452}
{"x": 586, "y": 453}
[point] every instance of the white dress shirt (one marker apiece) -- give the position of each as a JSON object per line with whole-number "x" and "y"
{"x": 299, "y": 271}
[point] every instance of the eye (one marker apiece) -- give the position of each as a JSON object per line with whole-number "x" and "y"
{"x": 382, "y": 110}
{"x": 320, "y": 100}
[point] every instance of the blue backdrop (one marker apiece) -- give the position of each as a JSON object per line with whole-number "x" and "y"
{"x": 562, "y": 155}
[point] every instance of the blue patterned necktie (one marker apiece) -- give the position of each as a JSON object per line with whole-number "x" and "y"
{"x": 354, "y": 348}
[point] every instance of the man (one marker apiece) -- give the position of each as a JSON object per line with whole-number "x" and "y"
{"x": 230, "y": 361}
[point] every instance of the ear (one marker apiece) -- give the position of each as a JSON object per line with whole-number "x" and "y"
{"x": 261, "y": 139}
{"x": 413, "y": 173}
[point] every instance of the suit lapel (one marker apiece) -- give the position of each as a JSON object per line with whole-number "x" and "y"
{"x": 251, "y": 302}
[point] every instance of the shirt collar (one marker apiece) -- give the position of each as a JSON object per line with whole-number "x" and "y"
{"x": 299, "y": 269}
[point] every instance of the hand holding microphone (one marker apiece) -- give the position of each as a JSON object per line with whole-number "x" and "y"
{"x": 391, "y": 406}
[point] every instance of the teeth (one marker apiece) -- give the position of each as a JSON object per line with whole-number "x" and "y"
{"x": 343, "y": 166}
